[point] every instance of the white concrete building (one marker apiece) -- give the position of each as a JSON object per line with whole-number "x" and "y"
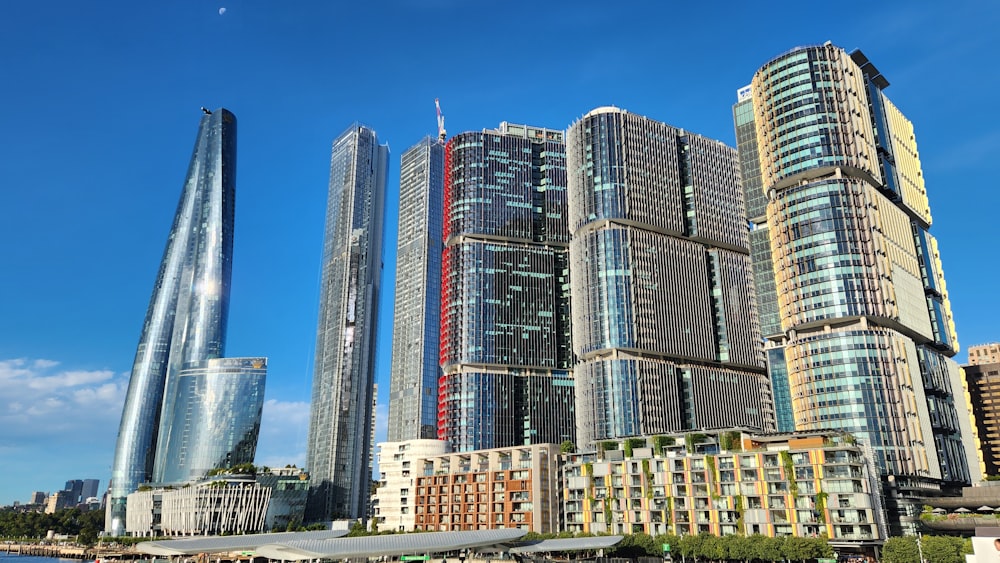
{"x": 393, "y": 506}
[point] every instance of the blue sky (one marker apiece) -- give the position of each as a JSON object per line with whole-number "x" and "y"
{"x": 99, "y": 106}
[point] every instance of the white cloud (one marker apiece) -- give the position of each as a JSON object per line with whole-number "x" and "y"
{"x": 284, "y": 426}
{"x": 40, "y": 401}
{"x": 56, "y": 423}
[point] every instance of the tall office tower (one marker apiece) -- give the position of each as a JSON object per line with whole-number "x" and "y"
{"x": 865, "y": 322}
{"x": 186, "y": 318}
{"x": 417, "y": 314}
{"x": 984, "y": 354}
{"x": 90, "y": 489}
{"x": 215, "y": 420}
{"x": 73, "y": 490}
{"x": 505, "y": 336}
{"x": 339, "y": 429}
{"x": 664, "y": 319}
{"x": 760, "y": 255}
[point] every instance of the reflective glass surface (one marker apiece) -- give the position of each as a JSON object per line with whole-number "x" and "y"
{"x": 215, "y": 419}
{"x": 344, "y": 373}
{"x": 505, "y": 319}
{"x": 417, "y": 311}
{"x": 186, "y": 318}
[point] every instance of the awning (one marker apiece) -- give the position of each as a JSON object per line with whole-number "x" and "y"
{"x": 567, "y": 544}
{"x": 225, "y": 544}
{"x": 393, "y": 544}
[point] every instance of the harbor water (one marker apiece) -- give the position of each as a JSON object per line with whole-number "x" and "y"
{"x": 11, "y": 558}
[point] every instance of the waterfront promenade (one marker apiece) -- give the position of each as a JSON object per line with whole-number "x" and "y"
{"x": 72, "y": 551}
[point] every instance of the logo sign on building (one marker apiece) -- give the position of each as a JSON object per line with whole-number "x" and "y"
{"x": 744, "y": 93}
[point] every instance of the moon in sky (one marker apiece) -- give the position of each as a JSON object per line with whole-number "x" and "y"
{"x": 222, "y": 11}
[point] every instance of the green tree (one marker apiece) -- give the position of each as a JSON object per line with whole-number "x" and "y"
{"x": 944, "y": 549}
{"x": 567, "y": 447}
{"x": 772, "y": 549}
{"x": 741, "y": 548}
{"x": 900, "y": 550}
{"x": 670, "y": 539}
{"x": 357, "y": 529}
{"x": 756, "y": 546}
{"x": 691, "y": 546}
{"x": 800, "y": 549}
{"x": 636, "y": 545}
{"x": 714, "y": 548}
{"x": 91, "y": 524}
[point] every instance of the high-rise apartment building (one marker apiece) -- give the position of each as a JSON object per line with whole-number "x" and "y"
{"x": 983, "y": 380}
{"x": 664, "y": 317}
{"x": 215, "y": 419}
{"x": 339, "y": 425}
{"x": 984, "y": 354}
{"x": 866, "y": 332}
{"x": 186, "y": 318}
{"x": 416, "y": 328}
{"x": 505, "y": 335}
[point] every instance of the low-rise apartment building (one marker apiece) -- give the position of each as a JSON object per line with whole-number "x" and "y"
{"x": 515, "y": 487}
{"x": 725, "y": 483}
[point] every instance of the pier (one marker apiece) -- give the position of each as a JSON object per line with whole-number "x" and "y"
{"x": 71, "y": 551}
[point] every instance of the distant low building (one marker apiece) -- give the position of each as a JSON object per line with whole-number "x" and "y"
{"x": 58, "y": 501}
{"x": 984, "y": 354}
{"x": 224, "y": 504}
{"x": 289, "y": 487}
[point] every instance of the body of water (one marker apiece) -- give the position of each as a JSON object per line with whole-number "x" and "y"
{"x": 5, "y": 558}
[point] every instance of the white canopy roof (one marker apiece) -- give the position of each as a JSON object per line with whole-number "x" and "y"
{"x": 568, "y": 544}
{"x": 224, "y": 544}
{"x": 395, "y": 544}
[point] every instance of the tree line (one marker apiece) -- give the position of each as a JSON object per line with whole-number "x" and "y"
{"x": 939, "y": 549}
{"x": 36, "y": 525}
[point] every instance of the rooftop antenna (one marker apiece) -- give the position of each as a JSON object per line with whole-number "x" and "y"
{"x": 441, "y": 132}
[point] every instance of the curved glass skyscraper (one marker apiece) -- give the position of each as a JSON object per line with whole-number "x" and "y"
{"x": 865, "y": 323}
{"x": 215, "y": 419}
{"x": 340, "y": 416}
{"x": 664, "y": 319}
{"x": 186, "y": 318}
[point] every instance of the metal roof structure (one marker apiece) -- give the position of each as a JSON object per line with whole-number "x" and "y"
{"x": 567, "y": 544}
{"x": 224, "y": 544}
{"x": 396, "y": 544}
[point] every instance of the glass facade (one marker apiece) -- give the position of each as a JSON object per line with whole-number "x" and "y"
{"x": 186, "y": 318}
{"x": 481, "y": 409}
{"x": 417, "y": 313}
{"x": 505, "y": 344}
{"x": 341, "y": 411}
{"x": 777, "y": 371}
{"x": 865, "y": 321}
{"x": 215, "y": 419}
{"x": 664, "y": 315}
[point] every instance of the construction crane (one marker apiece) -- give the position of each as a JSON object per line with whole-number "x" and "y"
{"x": 441, "y": 132}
